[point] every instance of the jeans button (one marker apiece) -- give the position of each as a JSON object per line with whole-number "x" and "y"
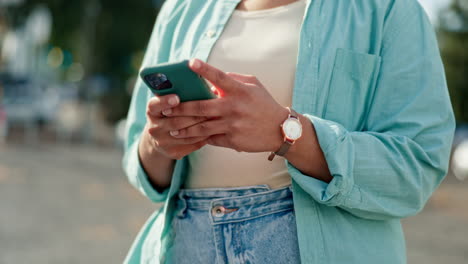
{"x": 218, "y": 211}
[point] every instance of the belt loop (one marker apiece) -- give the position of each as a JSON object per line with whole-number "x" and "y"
{"x": 181, "y": 206}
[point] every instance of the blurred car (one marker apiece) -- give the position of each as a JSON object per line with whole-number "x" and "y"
{"x": 119, "y": 130}
{"x": 459, "y": 161}
{"x": 28, "y": 101}
{"x": 3, "y": 124}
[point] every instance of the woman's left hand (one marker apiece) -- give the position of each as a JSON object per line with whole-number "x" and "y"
{"x": 245, "y": 118}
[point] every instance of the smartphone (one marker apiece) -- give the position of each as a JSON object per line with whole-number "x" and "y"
{"x": 176, "y": 78}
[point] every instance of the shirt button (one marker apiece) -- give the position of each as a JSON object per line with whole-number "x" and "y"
{"x": 218, "y": 211}
{"x": 210, "y": 33}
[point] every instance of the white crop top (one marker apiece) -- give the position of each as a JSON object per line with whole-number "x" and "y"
{"x": 263, "y": 43}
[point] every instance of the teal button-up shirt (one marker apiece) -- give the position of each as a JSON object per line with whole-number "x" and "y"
{"x": 370, "y": 79}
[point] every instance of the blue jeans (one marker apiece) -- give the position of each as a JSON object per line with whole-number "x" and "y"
{"x": 235, "y": 225}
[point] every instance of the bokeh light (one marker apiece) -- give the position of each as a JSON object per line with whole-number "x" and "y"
{"x": 136, "y": 60}
{"x": 55, "y": 57}
{"x": 460, "y": 161}
{"x": 75, "y": 72}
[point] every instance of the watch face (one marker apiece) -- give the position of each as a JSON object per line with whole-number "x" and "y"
{"x": 292, "y": 128}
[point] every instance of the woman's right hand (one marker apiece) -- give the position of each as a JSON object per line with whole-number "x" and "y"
{"x": 156, "y": 136}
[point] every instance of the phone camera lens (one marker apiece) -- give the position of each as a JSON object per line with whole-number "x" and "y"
{"x": 158, "y": 81}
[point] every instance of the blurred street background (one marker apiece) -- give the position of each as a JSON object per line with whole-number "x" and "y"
{"x": 67, "y": 70}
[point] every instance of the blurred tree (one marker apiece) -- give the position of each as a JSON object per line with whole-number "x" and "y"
{"x": 106, "y": 36}
{"x": 453, "y": 33}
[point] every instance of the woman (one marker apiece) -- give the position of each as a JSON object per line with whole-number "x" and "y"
{"x": 364, "y": 144}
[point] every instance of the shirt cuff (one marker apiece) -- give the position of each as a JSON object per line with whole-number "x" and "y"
{"x": 336, "y": 149}
{"x": 138, "y": 177}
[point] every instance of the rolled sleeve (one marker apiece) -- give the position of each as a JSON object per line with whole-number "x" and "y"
{"x": 138, "y": 177}
{"x": 336, "y": 192}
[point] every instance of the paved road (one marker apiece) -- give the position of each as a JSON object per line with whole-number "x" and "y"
{"x": 72, "y": 204}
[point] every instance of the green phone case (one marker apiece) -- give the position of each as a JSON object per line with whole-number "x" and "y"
{"x": 185, "y": 83}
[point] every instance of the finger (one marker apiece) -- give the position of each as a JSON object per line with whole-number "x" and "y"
{"x": 177, "y": 123}
{"x": 218, "y": 92}
{"x": 165, "y": 140}
{"x": 158, "y": 104}
{"x": 217, "y": 77}
{"x": 243, "y": 78}
{"x": 188, "y": 141}
{"x": 205, "y": 108}
{"x": 204, "y": 129}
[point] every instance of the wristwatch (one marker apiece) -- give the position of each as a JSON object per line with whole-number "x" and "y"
{"x": 292, "y": 131}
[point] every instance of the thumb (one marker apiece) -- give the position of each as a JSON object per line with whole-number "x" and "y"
{"x": 215, "y": 76}
{"x": 243, "y": 78}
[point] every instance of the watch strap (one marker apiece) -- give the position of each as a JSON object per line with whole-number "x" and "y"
{"x": 281, "y": 151}
{"x": 292, "y": 113}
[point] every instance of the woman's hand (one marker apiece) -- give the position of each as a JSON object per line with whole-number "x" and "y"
{"x": 158, "y": 127}
{"x": 245, "y": 118}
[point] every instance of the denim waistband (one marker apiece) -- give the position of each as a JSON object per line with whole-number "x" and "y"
{"x": 235, "y": 204}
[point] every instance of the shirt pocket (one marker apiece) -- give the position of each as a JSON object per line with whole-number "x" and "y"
{"x": 352, "y": 88}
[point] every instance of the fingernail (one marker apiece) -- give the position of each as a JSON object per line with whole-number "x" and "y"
{"x": 196, "y": 64}
{"x": 167, "y": 112}
{"x": 174, "y": 133}
{"x": 173, "y": 100}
